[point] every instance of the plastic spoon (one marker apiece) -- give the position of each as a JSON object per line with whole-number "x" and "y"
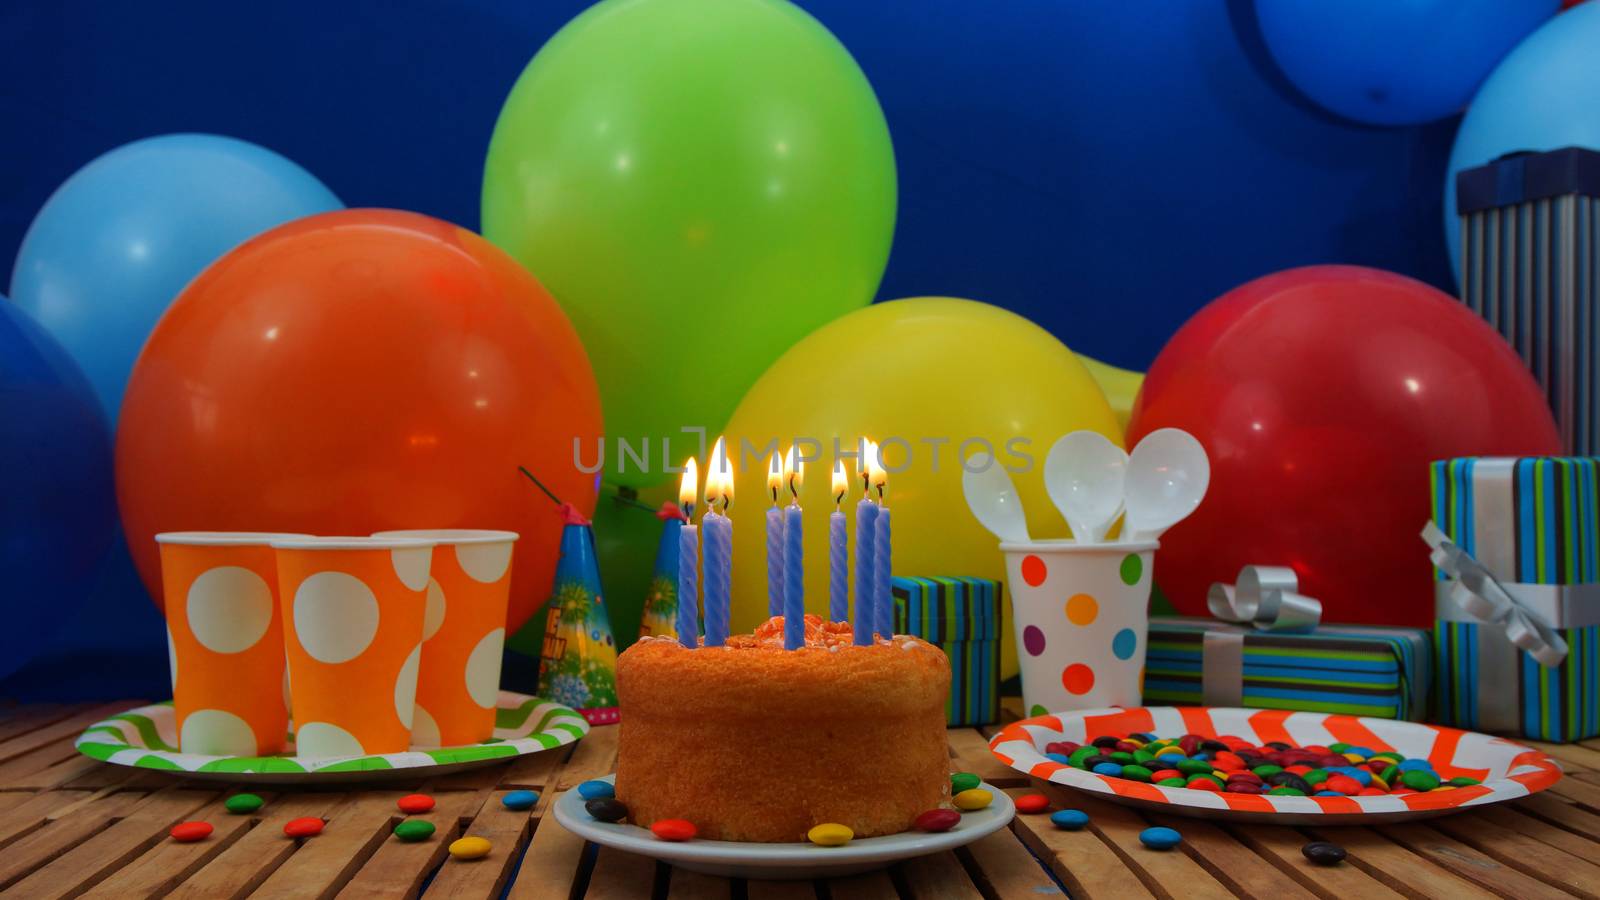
{"x": 1083, "y": 474}
{"x": 993, "y": 498}
{"x": 1168, "y": 474}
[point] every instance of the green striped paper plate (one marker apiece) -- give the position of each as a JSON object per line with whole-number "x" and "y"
{"x": 147, "y": 738}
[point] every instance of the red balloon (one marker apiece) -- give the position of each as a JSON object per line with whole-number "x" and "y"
{"x": 1321, "y": 395}
{"x": 358, "y": 371}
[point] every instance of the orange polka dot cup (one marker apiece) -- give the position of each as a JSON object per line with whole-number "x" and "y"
{"x": 353, "y": 613}
{"x": 225, "y": 641}
{"x": 463, "y": 632}
{"x": 1082, "y": 615}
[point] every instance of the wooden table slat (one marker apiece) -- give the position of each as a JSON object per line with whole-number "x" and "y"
{"x": 161, "y": 868}
{"x": 42, "y": 844}
{"x": 683, "y": 884}
{"x": 1003, "y": 867}
{"x": 1281, "y": 847}
{"x": 593, "y": 757}
{"x": 618, "y": 874}
{"x": 1468, "y": 862}
{"x": 866, "y": 886}
{"x": 1398, "y": 868}
{"x": 1527, "y": 849}
{"x": 398, "y": 868}
{"x": 69, "y": 727}
{"x": 251, "y": 859}
{"x": 1081, "y": 859}
{"x": 324, "y": 864}
{"x": 971, "y": 753}
{"x": 507, "y": 832}
{"x": 553, "y": 862}
{"x": 1167, "y": 873}
{"x": 1235, "y": 864}
{"x": 938, "y": 876}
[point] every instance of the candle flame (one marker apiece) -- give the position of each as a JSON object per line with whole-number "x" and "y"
{"x": 775, "y": 476}
{"x": 869, "y": 452}
{"x": 878, "y": 476}
{"x": 719, "y": 479}
{"x": 841, "y": 482}
{"x": 794, "y": 471}
{"x": 689, "y": 486}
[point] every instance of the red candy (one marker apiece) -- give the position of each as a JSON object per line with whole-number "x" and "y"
{"x": 1064, "y": 748}
{"x": 937, "y": 820}
{"x": 189, "y": 832}
{"x": 1227, "y": 762}
{"x": 411, "y": 804}
{"x": 1165, "y": 774}
{"x": 1244, "y": 787}
{"x": 1373, "y": 792}
{"x": 1032, "y": 803}
{"x": 1204, "y": 784}
{"x": 1297, "y": 768}
{"x": 1344, "y": 784}
{"x": 1251, "y": 777}
{"x": 305, "y": 826}
{"x": 673, "y": 829}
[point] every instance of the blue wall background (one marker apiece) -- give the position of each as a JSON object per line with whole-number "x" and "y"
{"x": 1102, "y": 167}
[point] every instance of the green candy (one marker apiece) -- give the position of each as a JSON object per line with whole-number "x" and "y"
{"x": 1173, "y": 782}
{"x": 1211, "y": 778}
{"x": 1266, "y": 771}
{"x": 1339, "y": 747}
{"x": 240, "y": 804}
{"x": 1143, "y": 756}
{"x": 412, "y": 830}
{"x": 1389, "y": 774}
{"x": 1136, "y": 773}
{"x": 1281, "y": 791}
{"x": 1463, "y": 781}
{"x": 1315, "y": 776}
{"x": 1193, "y": 767}
{"x": 1389, "y": 755}
{"x": 1122, "y": 757}
{"x": 1419, "y": 780}
{"x": 963, "y": 781}
{"x": 1082, "y": 753}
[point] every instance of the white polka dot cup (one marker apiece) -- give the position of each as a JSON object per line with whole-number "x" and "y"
{"x": 463, "y": 631}
{"x": 225, "y": 641}
{"x": 1082, "y": 616}
{"x": 353, "y": 614}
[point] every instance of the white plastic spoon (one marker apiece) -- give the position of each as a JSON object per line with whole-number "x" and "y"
{"x": 1168, "y": 474}
{"x": 993, "y": 498}
{"x": 1083, "y": 474}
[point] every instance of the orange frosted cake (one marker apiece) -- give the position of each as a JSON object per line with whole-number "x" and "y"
{"x": 752, "y": 742}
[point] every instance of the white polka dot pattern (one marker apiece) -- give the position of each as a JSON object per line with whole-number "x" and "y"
{"x": 411, "y": 565}
{"x": 405, "y": 687}
{"x": 229, "y": 609}
{"x": 483, "y": 669}
{"x": 215, "y": 732}
{"x": 433, "y": 615}
{"x": 321, "y": 739}
{"x": 172, "y": 659}
{"x": 335, "y": 616}
{"x": 424, "y": 730}
{"x": 484, "y": 562}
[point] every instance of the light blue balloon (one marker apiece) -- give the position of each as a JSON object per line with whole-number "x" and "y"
{"x": 1394, "y": 62}
{"x": 122, "y": 237}
{"x": 1544, "y": 96}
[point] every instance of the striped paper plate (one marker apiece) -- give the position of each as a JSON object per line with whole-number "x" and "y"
{"x": 1507, "y": 769}
{"x": 147, "y": 738}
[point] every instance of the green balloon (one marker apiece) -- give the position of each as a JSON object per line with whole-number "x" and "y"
{"x": 700, "y": 183}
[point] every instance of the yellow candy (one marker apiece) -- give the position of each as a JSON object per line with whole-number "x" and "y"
{"x": 976, "y": 798}
{"x": 831, "y": 834}
{"x": 470, "y": 848}
{"x": 1444, "y": 787}
{"x": 1378, "y": 781}
{"x": 1170, "y": 751}
{"x": 1354, "y": 757}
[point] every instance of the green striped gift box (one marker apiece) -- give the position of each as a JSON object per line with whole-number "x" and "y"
{"x": 1534, "y": 523}
{"x": 960, "y": 616}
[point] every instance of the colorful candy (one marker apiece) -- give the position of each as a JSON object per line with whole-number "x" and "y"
{"x": 966, "y": 781}
{"x": 241, "y": 804}
{"x": 520, "y": 800}
{"x": 1032, "y": 803}
{"x": 1070, "y": 819}
{"x": 830, "y": 834}
{"x": 189, "y": 832}
{"x": 413, "y": 830}
{"x": 411, "y": 804}
{"x": 596, "y": 790}
{"x": 673, "y": 829}
{"x": 305, "y": 826}
{"x": 1160, "y": 838}
{"x": 971, "y": 799}
{"x": 1323, "y": 853}
{"x": 470, "y": 848}
{"x": 606, "y": 809}
{"x": 937, "y": 820}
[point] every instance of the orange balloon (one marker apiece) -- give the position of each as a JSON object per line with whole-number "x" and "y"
{"x": 359, "y": 371}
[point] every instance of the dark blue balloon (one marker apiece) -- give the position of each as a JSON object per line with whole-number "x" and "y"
{"x": 58, "y": 510}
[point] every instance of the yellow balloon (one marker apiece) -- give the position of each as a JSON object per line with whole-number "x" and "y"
{"x": 927, "y": 378}
{"x": 1120, "y": 386}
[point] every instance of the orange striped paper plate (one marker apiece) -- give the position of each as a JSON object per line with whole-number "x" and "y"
{"x": 1507, "y": 769}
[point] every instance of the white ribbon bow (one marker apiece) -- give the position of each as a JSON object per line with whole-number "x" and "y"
{"x": 1267, "y": 598}
{"x": 1477, "y": 593}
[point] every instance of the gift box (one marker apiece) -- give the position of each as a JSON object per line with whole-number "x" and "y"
{"x": 1350, "y": 669}
{"x": 1515, "y": 646}
{"x": 960, "y": 616}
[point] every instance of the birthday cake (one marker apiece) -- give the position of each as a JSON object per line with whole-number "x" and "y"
{"x": 752, "y": 742}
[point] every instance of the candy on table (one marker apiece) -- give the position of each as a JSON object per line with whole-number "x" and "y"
{"x": 1070, "y": 819}
{"x": 305, "y": 826}
{"x": 830, "y": 834}
{"x": 189, "y": 832}
{"x": 937, "y": 820}
{"x": 1323, "y": 853}
{"x": 470, "y": 848}
{"x": 606, "y": 809}
{"x": 596, "y": 790}
{"x": 412, "y": 830}
{"x": 520, "y": 800}
{"x": 971, "y": 799}
{"x": 963, "y": 781}
{"x": 1032, "y": 803}
{"x": 1160, "y": 838}
{"x": 411, "y": 804}
{"x": 240, "y": 804}
{"x": 673, "y": 829}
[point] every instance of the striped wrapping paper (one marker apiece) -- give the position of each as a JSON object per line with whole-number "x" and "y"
{"x": 961, "y": 616}
{"x": 1534, "y": 523}
{"x": 1347, "y": 669}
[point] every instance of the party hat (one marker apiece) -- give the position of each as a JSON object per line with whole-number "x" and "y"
{"x": 661, "y": 600}
{"x": 578, "y": 665}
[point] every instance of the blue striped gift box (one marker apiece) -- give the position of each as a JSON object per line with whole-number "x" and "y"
{"x": 960, "y": 616}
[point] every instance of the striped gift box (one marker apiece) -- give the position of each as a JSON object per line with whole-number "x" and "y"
{"x": 961, "y": 616}
{"x": 1346, "y": 669}
{"x": 1534, "y": 523}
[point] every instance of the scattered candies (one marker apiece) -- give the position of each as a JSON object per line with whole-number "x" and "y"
{"x": 411, "y": 804}
{"x": 596, "y": 790}
{"x": 936, "y": 820}
{"x": 1032, "y": 803}
{"x": 607, "y": 809}
{"x": 239, "y": 804}
{"x": 963, "y": 781}
{"x": 830, "y": 834}
{"x": 520, "y": 800}
{"x": 1070, "y": 819}
{"x": 1159, "y": 838}
{"x": 412, "y": 830}
{"x": 305, "y": 826}
{"x": 1232, "y": 765}
{"x": 189, "y": 832}
{"x": 1323, "y": 853}
{"x": 470, "y": 848}
{"x": 971, "y": 799}
{"x": 673, "y": 829}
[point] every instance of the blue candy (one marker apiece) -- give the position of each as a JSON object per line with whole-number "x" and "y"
{"x": 1361, "y": 775}
{"x": 1143, "y": 736}
{"x": 1360, "y": 751}
{"x": 1159, "y": 838}
{"x": 1327, "y": 794}
{"x": 1070, "y": 819}
{"x": 596, "y": 790}
{"x": 520, "y": 800}
{"x": 1415, "y": 763}
{"x": 1108, "y": 768}
{"x": 1062, "y": 758}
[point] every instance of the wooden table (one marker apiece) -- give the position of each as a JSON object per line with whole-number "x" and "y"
{"x": 70, "y": 826}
